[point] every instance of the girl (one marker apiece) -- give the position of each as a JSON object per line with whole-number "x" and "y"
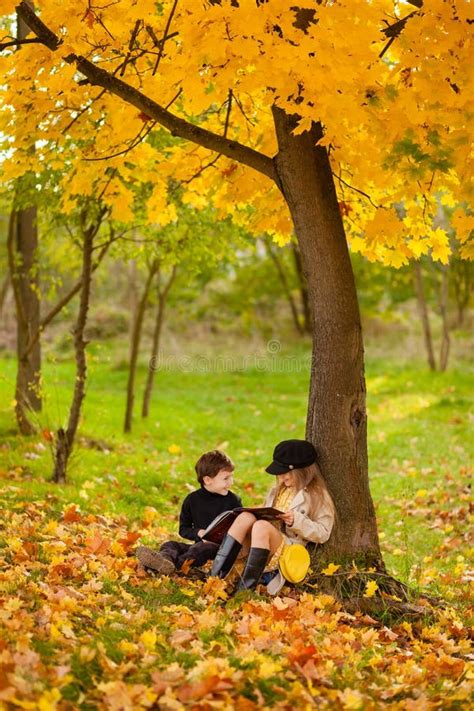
{"x": 300, "y": 491}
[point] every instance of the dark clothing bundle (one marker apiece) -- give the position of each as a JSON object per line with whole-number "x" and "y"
{"x": 200, "y": 508}
{"x": 198, "y": 553}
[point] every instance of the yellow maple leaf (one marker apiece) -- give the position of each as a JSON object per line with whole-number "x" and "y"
{"x": 351, "y": 699}
{"x": 49, "y": 700}
{"x": 467, "y": 251}
{"x": 8, "y": 7}
{"x": 269, "y": 668}
{"x": 150, "y": 514}
{"x": 148, "y": 639}
{"x": 371, "y": 588}
{"x": 440, "y": 248}
{"x": 331, "y": 569}
{"x": 127, "y": 647}
{"x": 55, "y": 632}
{"x": 303, "y": 125}
{"x": 463, "y": 224}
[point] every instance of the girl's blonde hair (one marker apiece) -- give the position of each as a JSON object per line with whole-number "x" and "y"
{"x": 311, "y": 479}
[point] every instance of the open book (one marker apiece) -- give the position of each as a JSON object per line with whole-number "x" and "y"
{"x": 217, "y": 529}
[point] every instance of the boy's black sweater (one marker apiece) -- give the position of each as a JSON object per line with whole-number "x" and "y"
{"x": 200, "y": 508}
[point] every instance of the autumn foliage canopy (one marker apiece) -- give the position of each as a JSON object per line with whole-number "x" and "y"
{"x": 390, "y": 83}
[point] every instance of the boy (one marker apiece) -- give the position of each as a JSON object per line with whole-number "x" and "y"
{"x": 215, "y": 474}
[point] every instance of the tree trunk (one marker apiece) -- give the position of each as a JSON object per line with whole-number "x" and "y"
{"x": 22, "y": 246}
{"x": 423, "y": 311}
{"x": 460, "y": 273}
{"x": 135, "y": 345}
{"x": 65, "y": 438}
{"x": 337, "y": 419}
{"x": 4, "y": 291}
{"x": 285, "y": 285}
{"x": 162, "y": 299}
{"x": 303, "y": 288}
{"x": 25, "y": 281}
{"x": 443, "y": 308}
{"x": 132, "y": 294}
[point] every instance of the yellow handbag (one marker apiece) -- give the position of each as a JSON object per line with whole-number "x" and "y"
{"x": 294, "y": 563}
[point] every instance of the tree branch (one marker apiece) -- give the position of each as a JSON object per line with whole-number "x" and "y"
{"x": 351, "y": 187}
{"x": 139, "y": 138}
{"x": 394, "y": 30}
{"x": 135, "y": 32}
{"x": 176, "y": 126}
{"x": 18, "y": 43}
{"x": 165, "y": 34}
{"x": 57, "y": 308}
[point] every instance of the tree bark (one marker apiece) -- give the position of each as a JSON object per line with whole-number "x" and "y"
{"x": 443, "y": 308}
{"x": 460, "y": 273}
{"x": 135, "y": 345}
{"x": 22, "y": 246}
{"x": 286, "y": 286}
{"x": 162, "y": 299}
{"x": 4, "y": 291}
{"x": 337, "y": 418}
{"x": 423, "y": 311}
{"x": 132, "y": 294}
{"x": 303, "y": 288}
{"x": 24, "y": 272}
{"x": 65, "y": 438}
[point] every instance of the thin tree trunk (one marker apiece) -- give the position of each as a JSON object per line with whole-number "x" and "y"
{"x": 423, "y": 311}
{"x": 22, "y": 245}
{"x": 58, "y": 307}
{"x": 135, "y": 345}
{"x": 162, "y": 299}
{"x": 460, "y": 272}
{"x": 303, "y": 288}
{"x": 65, "y": 438}
{"x": 337, "y": 418}
{"x": 24, "y": 272}
{"x": 132, "y": 294}
{"x": 285, "y": 285}
{"x": 443, "y": 308}
{"x": 4, "y": 291}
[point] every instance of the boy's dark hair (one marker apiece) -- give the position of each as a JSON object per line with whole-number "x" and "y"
{"x": 210, "y": 464}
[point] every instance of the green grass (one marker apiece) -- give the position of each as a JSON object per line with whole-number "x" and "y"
{"x": 419, "y": 441}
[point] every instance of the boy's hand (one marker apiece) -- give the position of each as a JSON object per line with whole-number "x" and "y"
{"x": 200, "y": 532}
{"x": 288, "y": 518}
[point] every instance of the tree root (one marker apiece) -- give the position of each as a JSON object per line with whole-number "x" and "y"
{"x": 388, "y": 611}
{"x": 389, "y": 600}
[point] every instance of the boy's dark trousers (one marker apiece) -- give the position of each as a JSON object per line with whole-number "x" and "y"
{"x": 199, "y": 553}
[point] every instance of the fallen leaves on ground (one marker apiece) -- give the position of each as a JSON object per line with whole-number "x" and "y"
{"x": 82, "y": 627}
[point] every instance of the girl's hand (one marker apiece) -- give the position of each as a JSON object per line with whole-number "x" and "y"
{"x": 288, "y": 518}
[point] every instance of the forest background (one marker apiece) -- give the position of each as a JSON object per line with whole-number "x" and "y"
{"x": 232, "y": 373}
{"x": 221, "y": 317}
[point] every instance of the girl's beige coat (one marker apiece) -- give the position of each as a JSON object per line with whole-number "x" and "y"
{"x": 316, "y": 529}
{"x": 304, "y": 529}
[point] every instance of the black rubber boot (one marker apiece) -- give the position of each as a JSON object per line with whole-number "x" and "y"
{"x": 226, "y": 557}
{"x": 256, "y": 562}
